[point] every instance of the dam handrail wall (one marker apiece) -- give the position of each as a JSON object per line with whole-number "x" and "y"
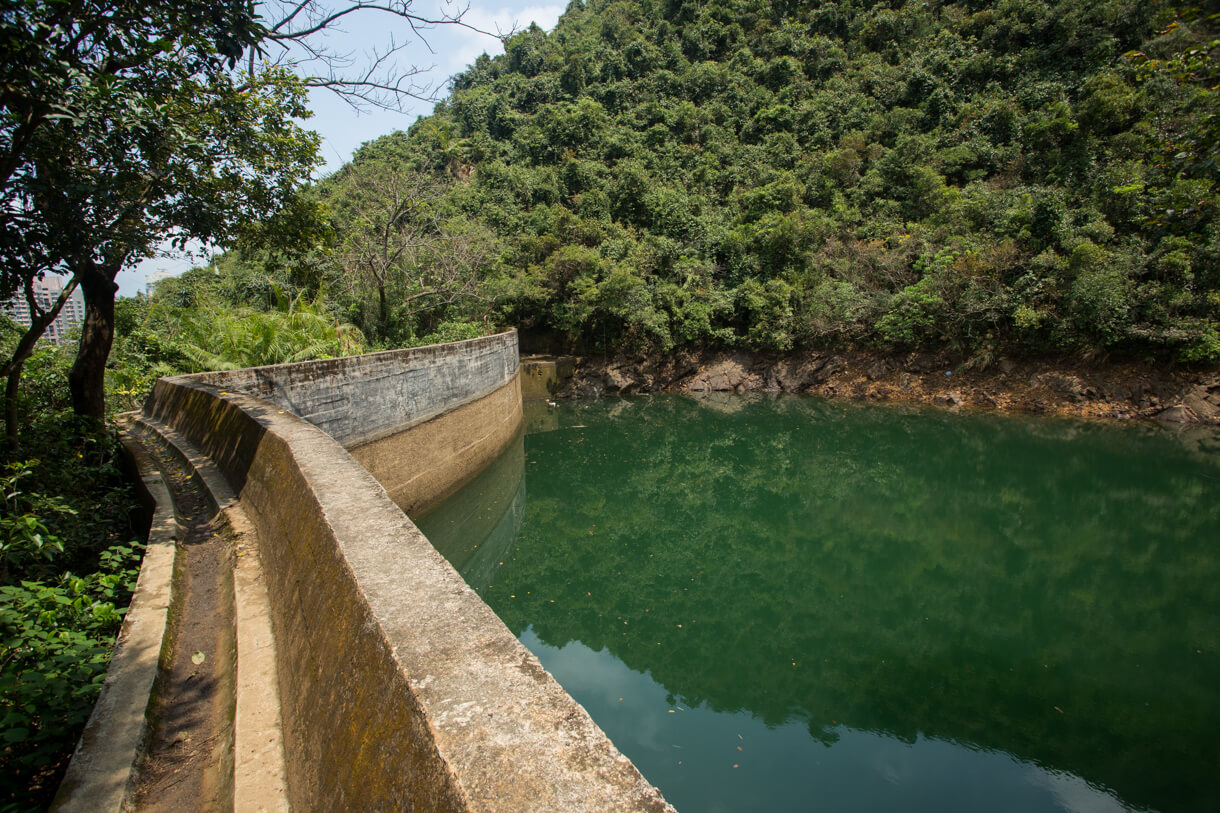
{"x": 400, "y": 689}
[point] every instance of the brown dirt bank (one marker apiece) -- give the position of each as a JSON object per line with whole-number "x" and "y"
{"x": 1063, "y": 387}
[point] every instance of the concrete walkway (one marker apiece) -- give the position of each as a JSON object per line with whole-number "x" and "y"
{"x": 189, "y": 716}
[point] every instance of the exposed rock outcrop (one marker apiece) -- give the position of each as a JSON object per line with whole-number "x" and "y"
{"x": 1119, "y": 390}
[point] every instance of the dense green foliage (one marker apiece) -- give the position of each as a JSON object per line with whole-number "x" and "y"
{"x": 398, "y": 258}
{"x": 1029, "y": 176}
{"x": 68, "y": 564}
{"x": 205, "y": 321}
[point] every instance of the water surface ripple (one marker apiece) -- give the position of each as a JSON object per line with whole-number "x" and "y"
{"x": 779, "y": 603}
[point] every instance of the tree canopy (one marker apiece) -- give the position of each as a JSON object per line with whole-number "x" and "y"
{"x": 123, "y": 126}
{"x": 1033, "y": 176}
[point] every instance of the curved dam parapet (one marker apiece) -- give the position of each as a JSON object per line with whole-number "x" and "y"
{"x": 449, "y": 409}
{"x": 399, "y": 688}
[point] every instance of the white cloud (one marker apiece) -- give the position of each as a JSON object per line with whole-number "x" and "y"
{"x": 469, "y": 45}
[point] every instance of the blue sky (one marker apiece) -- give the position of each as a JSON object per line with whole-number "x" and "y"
{"x": 445, "y": 51}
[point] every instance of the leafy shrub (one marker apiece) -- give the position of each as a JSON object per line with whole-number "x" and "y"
{"x": 912, "y": 315}
{"x": 453, "y": 332}
{"x": 770, "y": 315}
{"x": 56, "y": 638}
{"x": 1204, "y": 346}
{"x": 26, "y": 545}
{"x": 67, "y": 569}
{"x": 1100, "y": 295}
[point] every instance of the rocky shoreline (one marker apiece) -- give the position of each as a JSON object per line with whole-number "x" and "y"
{"x": 1119, "y": 391}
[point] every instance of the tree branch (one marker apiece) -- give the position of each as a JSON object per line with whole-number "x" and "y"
{"x": 299, "y": 30}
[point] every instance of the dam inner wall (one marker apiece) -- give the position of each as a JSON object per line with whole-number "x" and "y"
{"x": 361, "y": 399}
{"x": 400, "y": 689}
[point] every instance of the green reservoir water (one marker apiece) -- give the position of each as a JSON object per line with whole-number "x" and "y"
{"x": 784, "y": 604}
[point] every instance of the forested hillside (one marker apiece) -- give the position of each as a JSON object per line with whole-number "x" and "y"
{"x": 1027, "y": 176}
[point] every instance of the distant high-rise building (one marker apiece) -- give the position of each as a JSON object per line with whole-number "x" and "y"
{"x": 46, "y": 291}
{"x": 150, "y": 282}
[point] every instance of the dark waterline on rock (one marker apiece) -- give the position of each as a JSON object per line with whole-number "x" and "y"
{"x": 788, "y": 604}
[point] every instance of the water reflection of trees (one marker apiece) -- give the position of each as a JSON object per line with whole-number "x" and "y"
{"x": 475, "y": 528}
{"x": 1045, "y": 588}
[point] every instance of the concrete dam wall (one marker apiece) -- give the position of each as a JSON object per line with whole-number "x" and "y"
{"x": 399, "y": 689}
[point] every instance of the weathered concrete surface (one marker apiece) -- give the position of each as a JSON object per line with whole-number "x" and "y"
{"x": 187, "y": 758}
{"x": 491, "y": 508}
{"x": 445, "y": 452}
{"x": 400, "y": 688}
{"x": 359, "y": 399}
{"x": 544, "y": 376}
{"x": 258, "y": 777}
{"x": 260, "y": 781}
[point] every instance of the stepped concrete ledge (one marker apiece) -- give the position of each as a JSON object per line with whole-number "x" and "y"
{"x": 399, "y": 689}
{"x": 99, "y": 776}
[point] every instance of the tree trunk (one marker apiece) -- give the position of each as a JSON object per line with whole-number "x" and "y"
{"x": 10, "y": 404}
{"x": 87, "y": 378}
